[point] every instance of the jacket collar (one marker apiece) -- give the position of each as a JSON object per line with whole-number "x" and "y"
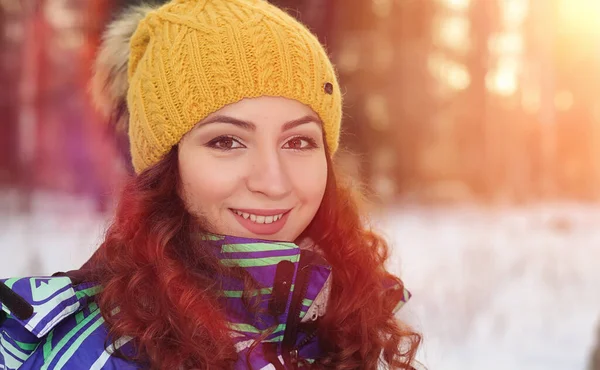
{"x": 279, "y": 269}
{"x": 289, "y": 279}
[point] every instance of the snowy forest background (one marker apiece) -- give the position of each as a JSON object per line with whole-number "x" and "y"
{"x": 474, "y": 125}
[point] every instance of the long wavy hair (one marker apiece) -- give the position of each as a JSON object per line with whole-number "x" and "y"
{"x": 154, "y": 269}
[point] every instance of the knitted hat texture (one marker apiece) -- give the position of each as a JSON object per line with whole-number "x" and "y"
{"x": 190, "y": 58}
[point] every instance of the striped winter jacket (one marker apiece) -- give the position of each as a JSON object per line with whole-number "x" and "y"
{"x": 66, "y": 330}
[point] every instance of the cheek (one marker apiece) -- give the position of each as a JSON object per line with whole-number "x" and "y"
{"x": 205, "y": 190}
{"x": 310, "y": 182}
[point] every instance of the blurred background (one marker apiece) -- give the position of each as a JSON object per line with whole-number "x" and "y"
{"x": 475, "y": 125}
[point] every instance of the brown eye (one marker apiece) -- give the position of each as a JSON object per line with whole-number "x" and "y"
{"x": 225, "y": 143}
{"x": 300, "y": 143}
{"x": 295, "y": 143}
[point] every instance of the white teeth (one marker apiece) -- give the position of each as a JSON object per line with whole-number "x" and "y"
{"x": 259, "y": 219}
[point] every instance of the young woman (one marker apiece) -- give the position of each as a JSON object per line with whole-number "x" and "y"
{"x": 236, "y": 244}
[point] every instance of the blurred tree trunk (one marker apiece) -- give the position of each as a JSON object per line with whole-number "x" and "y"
{"x": 30, "y": 59}
{"x": 353, "y": 24}
{"x": 317, "y": 15}
{"x": 381, "y": 52}
{"x": 105, "y": 154}
{"x": 11, "y": 29}
{"x": 543, "y": 37}
{"x": 411, "y": 90}
{"x": 480, "y": 130}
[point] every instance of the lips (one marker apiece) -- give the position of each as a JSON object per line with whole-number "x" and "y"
{"x": 262, "y": 222}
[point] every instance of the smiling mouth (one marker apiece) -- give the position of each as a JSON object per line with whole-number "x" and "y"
{"x": 260, "y": 217}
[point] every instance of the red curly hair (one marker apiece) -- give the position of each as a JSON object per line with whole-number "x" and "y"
{"x": 162, "y": 281}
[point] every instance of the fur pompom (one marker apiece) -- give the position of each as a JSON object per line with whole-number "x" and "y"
{"x": 109, "y": 81}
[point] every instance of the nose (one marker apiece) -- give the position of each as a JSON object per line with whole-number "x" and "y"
{"x": 269, "y": 175}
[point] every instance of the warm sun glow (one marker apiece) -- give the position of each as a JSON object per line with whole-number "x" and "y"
{"x": 459, "y": 5}
{"x": 453, "y": 74}
{"x": 506, "y": 43}
{"x": 453, "y": 32}
{"x": 563, "y": 100}
{"x": 503, "y": 80}
{"x": 514, "y": 12}
{"x": 579, "y": 16}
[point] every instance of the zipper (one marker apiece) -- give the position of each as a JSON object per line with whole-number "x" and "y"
{"x": 290, "y": 352}
{"x": 305, "y": 340}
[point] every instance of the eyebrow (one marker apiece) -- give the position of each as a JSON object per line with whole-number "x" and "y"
{"x": 247, "y": 125}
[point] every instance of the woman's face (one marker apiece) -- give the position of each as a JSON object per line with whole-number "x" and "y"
{"x": 255, "y": 168}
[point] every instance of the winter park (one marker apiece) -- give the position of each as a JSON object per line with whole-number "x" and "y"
{"x": 469, "y": 140}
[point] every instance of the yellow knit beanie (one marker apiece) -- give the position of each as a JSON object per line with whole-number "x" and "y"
{"x": 190, "y": 58}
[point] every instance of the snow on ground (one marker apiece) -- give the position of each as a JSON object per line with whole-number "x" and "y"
{"x": 500, "y": 289}
{"x": 59, "y": 234}
{"x": 509, "y": 288}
